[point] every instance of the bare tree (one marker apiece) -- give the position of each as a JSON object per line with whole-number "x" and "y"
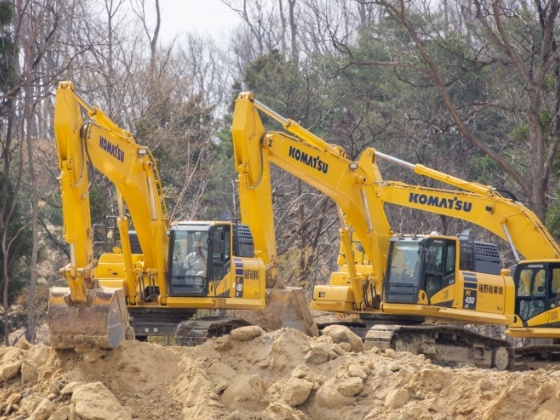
{"x": 153, "y": 35}
{"x": 38, "y": 30}
{"x": 499, "y": 44}
{"x": 32, "y": 37}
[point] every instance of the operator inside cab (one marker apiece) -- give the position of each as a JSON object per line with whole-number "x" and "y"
{"x": 195, "y": 262}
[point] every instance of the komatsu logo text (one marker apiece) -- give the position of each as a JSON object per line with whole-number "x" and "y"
{"x": 113, "y": 150}
{"x": 312, "y": 161}
{"x": 446, "y": 203}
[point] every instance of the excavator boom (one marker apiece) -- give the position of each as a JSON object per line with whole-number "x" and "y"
{"x": 321, "y": 165}
{"x": 479, "y": 204}
{"x": 84, "y": 312}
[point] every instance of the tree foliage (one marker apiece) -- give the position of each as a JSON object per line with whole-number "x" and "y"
{"x": 18, "y": 259}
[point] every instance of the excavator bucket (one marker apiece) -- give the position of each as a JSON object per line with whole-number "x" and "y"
{"x": 286, "y": 308}
{"x": 102, "y": 321}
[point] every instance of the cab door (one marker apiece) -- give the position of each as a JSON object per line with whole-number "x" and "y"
{"x": 219, "y": 255}
{"x": 439, "y": 270}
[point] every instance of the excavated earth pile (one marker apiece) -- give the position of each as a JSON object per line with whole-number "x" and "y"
{"x": 259, "y": 376}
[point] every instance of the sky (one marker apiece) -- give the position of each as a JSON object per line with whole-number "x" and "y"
{"x": 207, "y": 17}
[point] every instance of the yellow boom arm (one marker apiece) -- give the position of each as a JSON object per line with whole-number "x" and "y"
{"x": 130, "y": 167}
{"x": 478, "y": 204}
{"x": 86, "y": 311}
{"x": 319, "y": 164}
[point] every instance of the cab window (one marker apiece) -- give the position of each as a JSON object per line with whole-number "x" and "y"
{"x": 555, "y": 283}
{"x": 539, "y": 284}
{"x": 450, "y": 259}
{"x": 433, "y": 258}
{"x": 220, "y": 252}
{"x": 524, "y": 286}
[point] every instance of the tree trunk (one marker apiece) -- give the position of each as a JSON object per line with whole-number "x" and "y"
{"x": 538, "y": 179}
{"x": 28, "y": 117}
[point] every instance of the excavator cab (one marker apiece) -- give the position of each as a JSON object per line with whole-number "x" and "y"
{"x": 203, "y": 254}
{"x": 426, "y": 269}
{"x": 419, "y": 263}
{"x": 537, "y": 290}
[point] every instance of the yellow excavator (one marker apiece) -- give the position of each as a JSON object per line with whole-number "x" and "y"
{"x": 163, "y": 272}
{"x": 408, "y": 278}
{"x": 475, "y": 291}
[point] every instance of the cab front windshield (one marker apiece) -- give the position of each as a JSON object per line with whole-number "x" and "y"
{"x": 405, "y": 262}
{"x": 190, "y": 253}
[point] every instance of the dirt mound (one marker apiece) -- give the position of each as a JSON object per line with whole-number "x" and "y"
{"x": 256, "y": 375}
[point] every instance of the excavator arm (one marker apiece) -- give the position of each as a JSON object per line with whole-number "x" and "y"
{"x": 321, "y": 165}
{"x": 132, "y": 170}
{"x": 85, "y": 311}
{"x": 512, "y": 222}
{"x": 478, "y": 204}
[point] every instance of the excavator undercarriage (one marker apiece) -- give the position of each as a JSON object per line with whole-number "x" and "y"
{"x": 442, "y": 343}
{"x": 445, "y": 344}
{"x": 197, "y": 331}
{"x": 454, "y": 345}
{"x": 285, "y": 308}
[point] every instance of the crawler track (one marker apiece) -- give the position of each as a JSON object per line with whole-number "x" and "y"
{"x": 536, "y": 356}
{"x": 197, "y": 331}
{"x": 445, "y": 344}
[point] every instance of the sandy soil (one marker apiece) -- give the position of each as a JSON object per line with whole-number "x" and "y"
{"x": 256, "y": 375}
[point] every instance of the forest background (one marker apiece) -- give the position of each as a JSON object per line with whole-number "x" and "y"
{"x": 467, "y": 87}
